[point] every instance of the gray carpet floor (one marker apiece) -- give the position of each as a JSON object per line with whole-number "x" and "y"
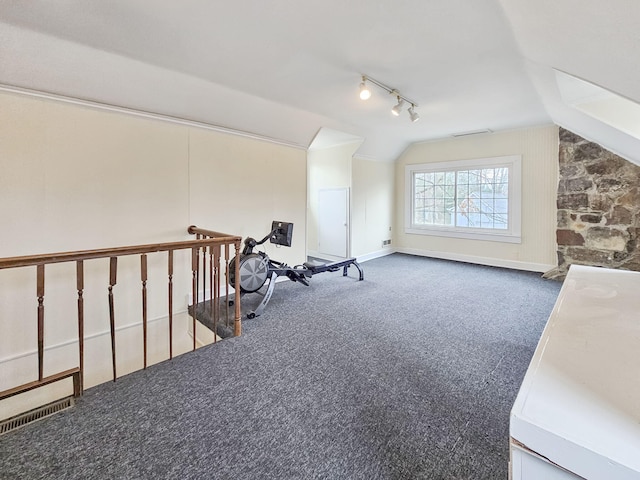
{"x": 409, "y": 374}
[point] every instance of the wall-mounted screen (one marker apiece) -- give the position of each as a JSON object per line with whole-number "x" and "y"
{"x": 282, "y": 233}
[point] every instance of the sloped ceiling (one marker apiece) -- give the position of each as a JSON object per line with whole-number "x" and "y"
{"x": 285, "y": 69}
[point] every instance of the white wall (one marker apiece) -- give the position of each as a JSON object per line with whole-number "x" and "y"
{"x": 240, "y": 186}
{"x": 372, "y": 207}
{"x": 539, "y": 150}
{"x": 327, "y": 168}
{"x": 371, "y": 188}
{"x": 74, "y": 177}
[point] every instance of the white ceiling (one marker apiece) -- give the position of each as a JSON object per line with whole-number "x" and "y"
{"x": 284, "y": 69}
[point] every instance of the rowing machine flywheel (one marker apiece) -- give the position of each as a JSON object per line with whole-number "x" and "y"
{"x": 254, "y": 269}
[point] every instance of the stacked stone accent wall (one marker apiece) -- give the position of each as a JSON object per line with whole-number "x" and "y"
{"x": 598, "y": 207}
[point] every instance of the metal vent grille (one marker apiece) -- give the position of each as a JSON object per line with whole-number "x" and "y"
{"x": 34, "y": 415}
{"x": 474, "y": 132}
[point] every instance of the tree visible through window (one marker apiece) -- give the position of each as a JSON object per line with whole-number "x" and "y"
{"x": 464, "y": 198}
{"x": 477, "y": 199}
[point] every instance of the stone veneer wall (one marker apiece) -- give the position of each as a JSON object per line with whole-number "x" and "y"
{"x": 598, "y": 207}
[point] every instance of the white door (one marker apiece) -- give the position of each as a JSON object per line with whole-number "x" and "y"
{"x": 333, "y": 222}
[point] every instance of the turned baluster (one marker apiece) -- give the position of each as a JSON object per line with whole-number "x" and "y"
{"x": 226, "y": 281}
{"x": 40, "y": 293}
{"x": 80, "y": 288}
{"x": 194, "y": 288}
{"x": 170, "y": 268}
{"x": 113, "y": 268}
{"x": 237, "y": 326}
{"x": 216, "y": 289}
{"x": 204, "y": 279}
{"x": 211, "y": 283}
{"x": 143, "y": 279}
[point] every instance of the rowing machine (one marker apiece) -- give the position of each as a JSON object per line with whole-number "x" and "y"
{"x": 256, "y": 267}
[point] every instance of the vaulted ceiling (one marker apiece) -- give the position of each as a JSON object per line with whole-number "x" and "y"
{"x": 284, "y": 69}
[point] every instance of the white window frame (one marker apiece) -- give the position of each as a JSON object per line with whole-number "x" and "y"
{"x": 511, "y": 235}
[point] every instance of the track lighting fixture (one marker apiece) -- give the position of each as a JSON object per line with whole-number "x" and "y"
{"x": 413, "y": 115}
{"x": 365, "y": 93}
{"x": 398, "y": 108}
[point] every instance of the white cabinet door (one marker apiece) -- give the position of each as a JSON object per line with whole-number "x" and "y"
{"x": 526, "y": 466}
{"x": 333, "y": 222}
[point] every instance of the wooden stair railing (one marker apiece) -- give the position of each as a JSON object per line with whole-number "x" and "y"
{"x": 207, "y": 243}
{"x": 215, "y": 279}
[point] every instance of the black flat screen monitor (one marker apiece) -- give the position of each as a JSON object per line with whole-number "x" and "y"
{"x": 282, "y": 233}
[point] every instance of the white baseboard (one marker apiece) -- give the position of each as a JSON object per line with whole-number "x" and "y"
{"x": 360, "y": 258}
{"x": 493, "y": 262}
{"x": 380, "y": 253}
{"x": 324, "y": 256}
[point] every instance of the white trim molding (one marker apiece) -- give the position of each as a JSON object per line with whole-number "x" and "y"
{"x": 144, "y": 114}
{"x": 376, "y": 254}
{"x": 490, "y": 261}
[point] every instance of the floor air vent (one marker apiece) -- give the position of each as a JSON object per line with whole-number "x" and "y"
{"x": 34, "y": 415}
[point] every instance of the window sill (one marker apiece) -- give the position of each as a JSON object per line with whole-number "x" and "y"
{"x": 452, "y": 233}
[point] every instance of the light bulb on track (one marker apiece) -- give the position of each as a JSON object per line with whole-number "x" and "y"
{"x": 398, "y": 108}
{"x": 413, "y": 115}
{"x": 365, "y": 93}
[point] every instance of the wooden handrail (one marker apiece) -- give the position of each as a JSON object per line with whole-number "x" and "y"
{"x": 193, "y": 230}
{"x": 208, "y": 246}
{"x": 30, "y": 260}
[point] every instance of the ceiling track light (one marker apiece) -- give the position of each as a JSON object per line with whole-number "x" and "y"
{"x": 413, "y": 115}
{"x": 398, "y": 107}
{"x": 365, "y": 94}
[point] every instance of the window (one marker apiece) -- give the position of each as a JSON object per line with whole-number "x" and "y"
{"x": 477, "y": 199}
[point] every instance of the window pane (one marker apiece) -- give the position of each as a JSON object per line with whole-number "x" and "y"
{"x": 502, "y": 175}
{"x": 450, "y": 192}
{"x": 438, "y": 218}
{"x": 450, "y": 204}
{"x": 501, "y": 206}
{"x": 450, "y": 178}
{"x": 501, "y": 222}
{"x": 466, "y": 198}
{"x": 486, "y": 176}
{"x": 486, "y": 221}
{"x": 474, "y": 190}
{"x": 419, "y": 181}
{"x": 428, "y": 178}
{"x": 462, "y": 219}
{"x": 428, "y": 191}
{"x": 474, "y": 177}
{"x": 474, "y": 219}
{"x": 502, "y": 189}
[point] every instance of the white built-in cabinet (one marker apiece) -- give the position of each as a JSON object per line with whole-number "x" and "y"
{"x": 577, "y": 414}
